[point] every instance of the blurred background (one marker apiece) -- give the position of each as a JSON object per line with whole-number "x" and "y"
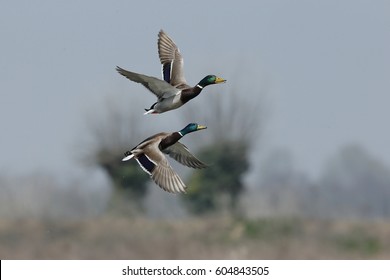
{"x": 297, "y": 139}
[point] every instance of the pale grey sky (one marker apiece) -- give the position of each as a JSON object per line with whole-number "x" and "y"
{"x": 326, "y": 64}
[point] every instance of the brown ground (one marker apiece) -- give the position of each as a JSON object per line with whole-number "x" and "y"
{"x": 210, "y": 238}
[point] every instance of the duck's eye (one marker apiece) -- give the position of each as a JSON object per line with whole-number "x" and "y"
{"x": 127, "y": 153}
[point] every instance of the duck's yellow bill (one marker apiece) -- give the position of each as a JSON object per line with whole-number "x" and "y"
{"x": 219, "y": 80}
{"x": 199, "y": 127}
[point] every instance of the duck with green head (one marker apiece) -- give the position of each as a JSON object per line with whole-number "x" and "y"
{"x": 172, "y": 91}
{"x": 150, "y": 156}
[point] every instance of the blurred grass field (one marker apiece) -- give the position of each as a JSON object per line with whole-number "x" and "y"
{"x": 109, "y": 237}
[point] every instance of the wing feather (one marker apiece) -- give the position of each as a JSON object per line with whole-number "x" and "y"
{"x": 167, "y": 179}
{"x": 158, "y": 87}
{"x": 171, "y": 61}
{"x": 181, "y": 154}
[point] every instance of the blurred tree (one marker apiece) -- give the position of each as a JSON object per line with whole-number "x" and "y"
{"x": 234, "y": 125}
{"x": 355, "y": 184}
{"x": 128, "y": 180}
{"x": 284, "y": 189}
{"x": 222, "y": 180}
{"x": 110, "y": 133}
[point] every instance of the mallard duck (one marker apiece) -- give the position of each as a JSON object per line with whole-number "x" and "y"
{"x": 173, "y": 91}
{"x": 150, "y": 156}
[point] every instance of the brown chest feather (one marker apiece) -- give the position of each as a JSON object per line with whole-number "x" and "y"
{"x": 169, "y": 140}
{"x": 189, "y": 93}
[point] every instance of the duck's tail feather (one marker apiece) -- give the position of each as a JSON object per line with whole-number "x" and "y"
{"x": 128, "y": 156}
{"x": 150, "y": 111}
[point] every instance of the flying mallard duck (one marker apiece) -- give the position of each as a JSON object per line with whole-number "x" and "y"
{"x": 173, "y": 91}
{"x": 149, "y": 155}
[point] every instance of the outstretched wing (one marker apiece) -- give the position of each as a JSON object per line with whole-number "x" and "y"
{"x": 158, "y": 87}
{"x": 180, "y": 153}
{"x": 171, "y": 61}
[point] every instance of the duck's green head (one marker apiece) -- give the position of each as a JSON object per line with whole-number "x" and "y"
{"x": 210, "y": 80}
{"x": 191, "y": 128}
